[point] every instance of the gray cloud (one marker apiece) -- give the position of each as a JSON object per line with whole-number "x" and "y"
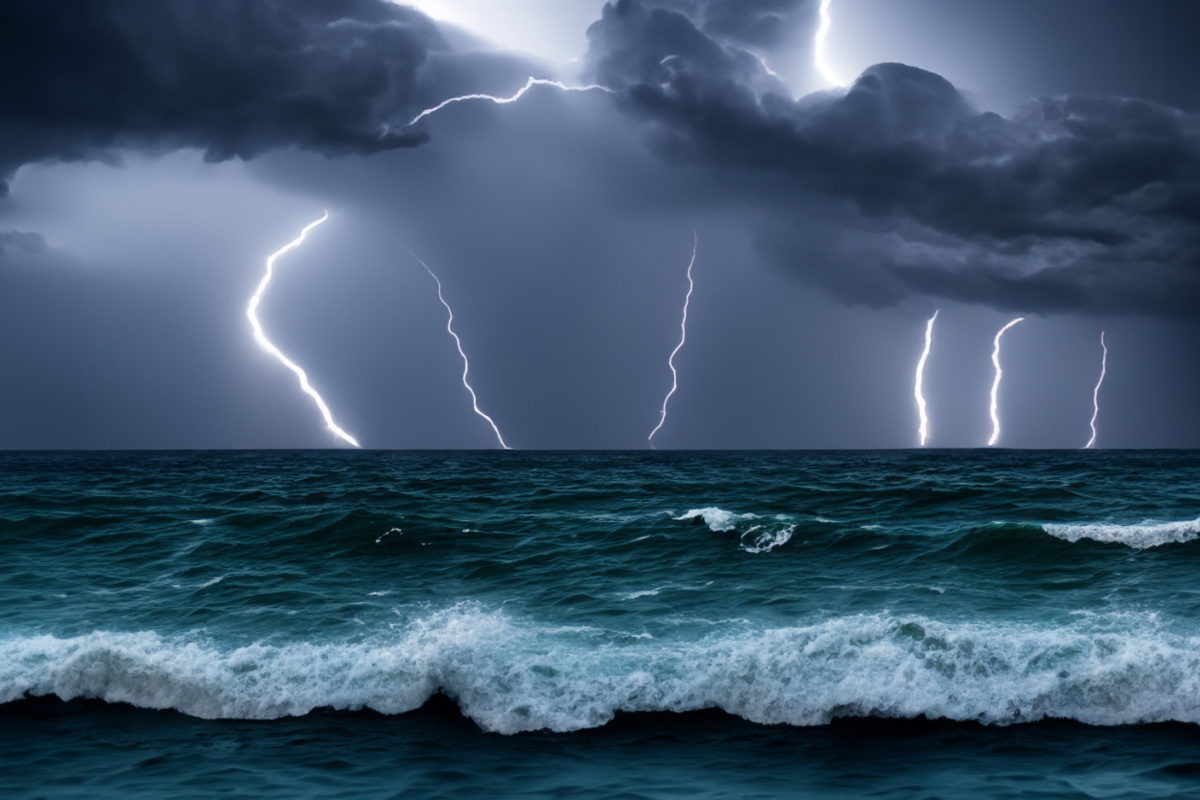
{"x": 562, "y": 240}
{"x": 82, "y": 78}
{"x": 27, "y": 242}
{"x": 764, "y": 24}
{"x": 1078, "y": 203}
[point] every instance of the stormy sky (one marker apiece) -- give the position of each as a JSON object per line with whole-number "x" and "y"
{"x": 985, "y": 159}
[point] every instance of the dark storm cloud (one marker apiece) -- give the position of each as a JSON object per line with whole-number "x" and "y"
{"x": 751, "y": 23}
{"x": 1079, "y": 202}
{"x": 81, "y": 78}
{"x": 32, "y": 243}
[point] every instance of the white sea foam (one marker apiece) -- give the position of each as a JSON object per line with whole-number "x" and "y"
{"x": 718, "y": 519}
{"x": 1139, "y": 536}
{"x": 754, "y": 536}
{"x": 763, "y": 540}
{"x": 511, "y": 675}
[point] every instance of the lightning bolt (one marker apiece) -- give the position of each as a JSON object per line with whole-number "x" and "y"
{"x": 458, "y": 342}
{"x": 996, "y": 383}
{"x": 819, "y": 55}
{"x": 529, "y": 84}
{"x": 923, "y": 431}
{"x": 1096, "y": 392}
{"x": 265, "y": 343}
{"x": 682, "y": 339}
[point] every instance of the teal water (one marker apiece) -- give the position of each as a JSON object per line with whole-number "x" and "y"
{"x": 376, "y": 624}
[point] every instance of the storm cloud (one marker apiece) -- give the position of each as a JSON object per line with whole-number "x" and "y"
{"x": 892, "y": 187}
{"x": 163, "y": 150}
{"x": 753, "y": 24}
{"x": 1077, "y": 203}
{"x": 82, "y": 79}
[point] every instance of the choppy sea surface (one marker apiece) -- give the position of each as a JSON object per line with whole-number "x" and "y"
{"x": 600, "y": 625}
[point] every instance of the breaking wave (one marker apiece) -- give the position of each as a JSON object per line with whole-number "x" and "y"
{"x": 511, "y": 675}
{"x": 1140, "y": 536}
{"x": 756, "y": 534}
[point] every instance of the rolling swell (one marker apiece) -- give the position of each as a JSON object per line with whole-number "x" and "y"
{"x": 511, "y": 675}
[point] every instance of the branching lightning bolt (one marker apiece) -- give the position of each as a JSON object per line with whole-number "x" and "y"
{"x": 682, "y": 338}
{"x": 1096, "y": 392}
{"x": 996, "y": 382}
{"x": 819, "y": 55}
{"x": 529, "y": 84}
{"x": 265, "y": 343}
{"x": 458, "y": 342}
{"x": 923, "y": 431}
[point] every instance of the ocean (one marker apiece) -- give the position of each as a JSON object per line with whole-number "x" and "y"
{"x": 358, "y": 624}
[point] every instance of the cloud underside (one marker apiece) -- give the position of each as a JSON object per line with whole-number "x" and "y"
{"x": 892, "y": 187}
{"x": 896, "y": 185}
{"x": 83, "y": 79}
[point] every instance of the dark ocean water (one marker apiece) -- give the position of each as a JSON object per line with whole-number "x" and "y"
{"x": 600, "y": 625}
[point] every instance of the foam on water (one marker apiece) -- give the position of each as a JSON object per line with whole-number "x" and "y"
{"x": 762, "y": 540}
{"x": 512, "y": 675}
{"x": 717, "y": 519}
{"x": 1140, "y": 536}
{"x": 754, "y": 536}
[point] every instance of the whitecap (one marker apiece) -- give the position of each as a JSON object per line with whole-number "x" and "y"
{"x": 718, "y": 519}
{"x": 511, "y": 674}
{"x": 1139, "y": 536}
{"x": 758, "y": 538}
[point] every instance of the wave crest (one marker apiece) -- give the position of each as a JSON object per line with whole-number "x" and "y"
{"x": 754, "y": 536}
{"x": 511, "y": 676}
{"x": 1141, "y": 536}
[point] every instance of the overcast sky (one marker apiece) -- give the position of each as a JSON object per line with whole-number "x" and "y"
{"x": 985, "y": 159}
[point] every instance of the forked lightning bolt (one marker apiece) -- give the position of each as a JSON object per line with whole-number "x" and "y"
{"x": 261, "y": 338}
{"x": 819, "y": 47}
{"x": 1096, "y": 391}
{"x": 996, "y": 383}
{"x": 458, "y": 342}
{"x": 682, "y": 338}
{"x": 529, "y": 84}
{"x": 923, "y": 430}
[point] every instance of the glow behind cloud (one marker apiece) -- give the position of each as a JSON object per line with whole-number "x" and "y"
{"x": 819, "y": 47}
{"x": 261, "y": 338}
